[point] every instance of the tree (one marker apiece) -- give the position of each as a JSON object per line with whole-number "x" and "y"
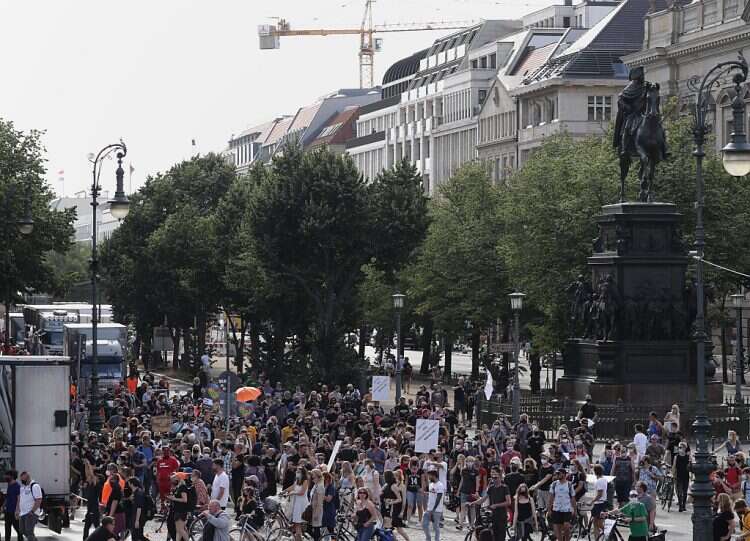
{"x": 71, "y": 269}
{"x": 25, "y": 264}
{"x": 459, "y": 275}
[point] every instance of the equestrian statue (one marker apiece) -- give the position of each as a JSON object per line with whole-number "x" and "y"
{"x": 639, "y": 132}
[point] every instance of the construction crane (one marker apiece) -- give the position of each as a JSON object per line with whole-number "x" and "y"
{"x": 269, "y": 36}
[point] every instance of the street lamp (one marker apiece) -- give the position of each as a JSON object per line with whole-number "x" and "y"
{"x": 737, "y": 163}
{"x": 398, "y": 305}
{"x": 516, "y": 304}
{"x": 739, "y": 360}
{"x": 119, "y": 207}
{"x": 25, "y": 226}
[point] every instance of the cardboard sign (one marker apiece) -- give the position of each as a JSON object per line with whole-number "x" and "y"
{"x": 426, "y": 438}
{"x": 160, "y": 424}
{"x": 332, "y": 460}
{"x": 381, "y": 388}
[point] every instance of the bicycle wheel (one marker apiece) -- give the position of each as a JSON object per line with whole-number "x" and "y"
{"x": 196, "y": 529}
{"x": 247, "y": 533}
{"x": 285, "y": 534}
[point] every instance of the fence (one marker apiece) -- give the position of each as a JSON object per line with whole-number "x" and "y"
{"x": 617, "y": 420}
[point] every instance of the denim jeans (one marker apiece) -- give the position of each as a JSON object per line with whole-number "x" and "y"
{"x": 364, "y": 534}
{"x": 435, "y": 518}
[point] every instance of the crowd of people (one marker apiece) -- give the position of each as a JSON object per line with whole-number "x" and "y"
{"x": 489, "y": 478}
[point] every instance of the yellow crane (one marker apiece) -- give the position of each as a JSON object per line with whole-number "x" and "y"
{"x": 269, "y": 36}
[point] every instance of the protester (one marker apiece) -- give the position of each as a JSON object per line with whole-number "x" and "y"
{"x": 29, "y": 504}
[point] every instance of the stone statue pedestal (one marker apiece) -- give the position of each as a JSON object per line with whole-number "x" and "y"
{"x": 634, "y": 342}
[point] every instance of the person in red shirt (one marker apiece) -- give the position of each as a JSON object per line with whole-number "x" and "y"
{"x": 165, "y": 467}
{"x": 733, "y": 476}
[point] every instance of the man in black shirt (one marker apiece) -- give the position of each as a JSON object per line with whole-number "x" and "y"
{"x": 105, "y": 532}
{"x": 588, "y": 410}
{"x": 500, "y": 502}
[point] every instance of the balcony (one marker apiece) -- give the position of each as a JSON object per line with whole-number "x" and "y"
{"x": 418, "y": 128}
{"x": 533, "y": 133}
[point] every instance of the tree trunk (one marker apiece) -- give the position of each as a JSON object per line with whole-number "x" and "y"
{"x": 240, "y": 353}
{"x": 254, "y": 345}
{"x": 506, "y": 339}
{"x": 187, "y": 340}
{"x": 201, "y": 330}
{"x": 448, "y": 348}
{"x": 146, "y": 352}
{"x": 176, "y": 351}
{"x": 362, "y": 339}
{"x": 475, "y": 336}
{"x": 724, "y": 368}
{"x": 426, "y": 345}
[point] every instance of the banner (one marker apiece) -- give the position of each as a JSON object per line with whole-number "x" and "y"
{"x": 488, "y": 388}
{"x": 426, "y": 438}
{"x": 381, "y": 388}
{"x": 160, "y": 424}
{"x": 332, "y": 460}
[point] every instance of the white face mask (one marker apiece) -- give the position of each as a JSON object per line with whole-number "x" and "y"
{"x": 634, "y": 499}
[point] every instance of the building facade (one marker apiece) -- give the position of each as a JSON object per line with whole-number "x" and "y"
{"x": 682, "y": 42}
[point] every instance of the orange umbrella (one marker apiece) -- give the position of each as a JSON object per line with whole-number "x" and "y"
{"x": 247, "y": 394}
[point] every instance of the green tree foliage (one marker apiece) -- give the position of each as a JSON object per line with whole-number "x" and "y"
{"x": 71, "y": 269}
{"x": 25, "y": 264}
{"x": 459, "y": 275}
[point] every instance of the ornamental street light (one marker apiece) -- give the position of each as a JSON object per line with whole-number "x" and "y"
{"x": 736, "y": 162}
{"x": 739, "y": 359}
{"x": 398, "y": 305}
{"x": 118, "y": 207}
{"x": 25, "y": 226}
{"x": 516, "y": 304}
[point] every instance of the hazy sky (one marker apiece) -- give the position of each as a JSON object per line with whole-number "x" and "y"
{"x": 159, "y": 73}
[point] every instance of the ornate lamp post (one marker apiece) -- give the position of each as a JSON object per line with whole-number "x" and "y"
{"x": 739, "y": 360}
{"x": 516, "y": 304}
{"x": 25, "y": 226}
{"x": 398, "y": 305}
{"x": 736, "y": 163}
{"x": 118, "y": 207}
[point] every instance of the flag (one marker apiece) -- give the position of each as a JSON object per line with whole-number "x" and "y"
{"x": 488, "y": 388}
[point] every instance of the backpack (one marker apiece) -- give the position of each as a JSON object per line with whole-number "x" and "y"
{"x": 40, "y": 488}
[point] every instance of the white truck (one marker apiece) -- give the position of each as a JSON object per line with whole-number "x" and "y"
{"x": 35, "y": 427}
{"x": 111, "y": 341}
{"x": 46, "y": 321}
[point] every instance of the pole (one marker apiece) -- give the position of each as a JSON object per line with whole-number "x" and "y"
{"x": 398, "y": 356}
{"x": 516, "y": 384}
{"x": 701, "y": 489}
{"x": 738, "y": 361}
{"x": 95, "y": 419}
{"x": 229, "y": 381}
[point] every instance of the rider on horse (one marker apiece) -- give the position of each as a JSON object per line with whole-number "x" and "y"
{"x": 631, "y": 106}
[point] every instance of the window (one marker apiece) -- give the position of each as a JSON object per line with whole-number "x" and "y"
{"x": 482, "y": 96}
{"x": 600, "y": 108}
{"x": 493, "y": 61}
{"x": 475, "y": 63}
{"x": 483, "y": 62}
{"x": 566, "y": 22}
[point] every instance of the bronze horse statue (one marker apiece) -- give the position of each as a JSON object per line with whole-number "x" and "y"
{"x": 645, "y": 139}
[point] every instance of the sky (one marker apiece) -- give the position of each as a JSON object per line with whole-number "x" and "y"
{"x": 162, "y": 73}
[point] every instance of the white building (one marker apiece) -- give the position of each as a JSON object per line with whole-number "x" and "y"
{"x": 105, "y": 222}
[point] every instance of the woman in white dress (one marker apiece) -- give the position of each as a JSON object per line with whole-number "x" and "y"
{"x": 298, "y": 492}
{"x": 371, "y": 479}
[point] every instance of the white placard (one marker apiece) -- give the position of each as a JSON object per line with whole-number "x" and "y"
{"x": 609, "y": 524}
{"x": 332, "y": 460}
{"x": 488, "y": 387}
{"x": 381, "y": 388}
{"x": 426, "y": 438}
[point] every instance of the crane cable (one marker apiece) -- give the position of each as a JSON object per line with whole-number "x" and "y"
{"x": 738, "y": 273}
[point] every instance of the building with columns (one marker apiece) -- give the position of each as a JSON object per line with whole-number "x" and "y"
{"x": 683, "y": 41}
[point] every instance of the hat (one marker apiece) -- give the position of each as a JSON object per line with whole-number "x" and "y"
{"x": 515, "y": 460}
{"x": 587, "y": 397}
{"x": 633, "y": 493}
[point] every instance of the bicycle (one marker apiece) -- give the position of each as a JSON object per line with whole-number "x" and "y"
{"x": 665, "y": 492}
{"x": 245, "y": 531}
{"x": 278, "y": 524}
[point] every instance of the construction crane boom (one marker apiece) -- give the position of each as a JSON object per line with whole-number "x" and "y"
{"x": 270, "y": 35}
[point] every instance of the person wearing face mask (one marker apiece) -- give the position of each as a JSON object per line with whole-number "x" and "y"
{"x": 468, "y": 489}
{"x": 535, "y": 443}
{"x": 637, "y": 517}
{"x": 298, "y": 492}
{"x": 681, "y": 473}
{"x": 541, "y": 488}
{"x": 500, "y": 503}
{"x": 524, "y": 515}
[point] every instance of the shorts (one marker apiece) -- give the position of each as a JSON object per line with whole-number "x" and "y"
{"x": 598, "y": 509}
{"x": 465, "y": 498}
{"x": 412, "y": 498}
{"x": 561, "y": 517}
